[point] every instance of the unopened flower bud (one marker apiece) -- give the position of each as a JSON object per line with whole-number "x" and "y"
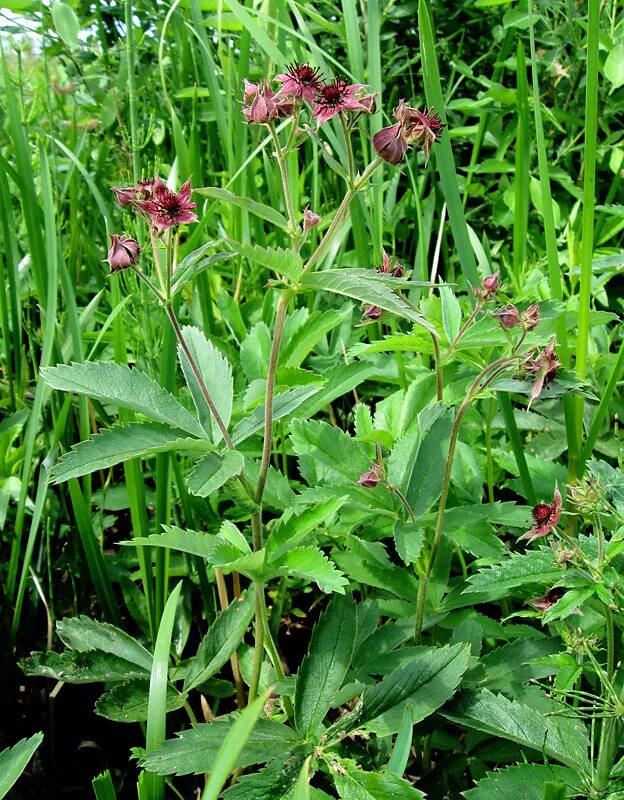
{"x": 488, "y": 288}
{"x": 372, "y": 312}
{"x": 390, "y": 143}
{"x": 530, "y": 317}
{"x": 371, "y": 478}
{"x": 508, "y": 316}
{"x": 310, "y": 220}
{"x": 122, "y": 253}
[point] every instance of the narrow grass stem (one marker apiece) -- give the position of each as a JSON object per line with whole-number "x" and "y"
{"x": 258, "y": 652}
{"x": 349, "y": 149}
{"x": 438, "y": 367}
{"x": 224, "y": 602}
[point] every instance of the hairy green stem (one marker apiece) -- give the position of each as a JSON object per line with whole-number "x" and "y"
{"x": 482, "y": 380}
{"x": 463, "y": 330}
{"x": 279, "y": 155}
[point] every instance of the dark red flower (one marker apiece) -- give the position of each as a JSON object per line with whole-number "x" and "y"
{"x": 372, "y": 313}
{"x": 142, "y": 191}
{"x": 508, "y": 316}
{"x": 166, "y": 208}
{"x": 390, "y": 143}
{"x": 397, "y": 271}
{"x": 488, "y": 288}
{"x": 262, "y": 104}
{"x": 310, "y": 220}
{"x": 530, "y": 317}
{"x": 337, "y": 96}
{"x": 371, "y": 478}
{"x": 301, "y": 81}
{"x": 544, "y": 367}
{"x": 545, "y": 516}
{"x": 122, "y": 253}
{"x": 551, "y": 597}
{"x": 420, "y": 127}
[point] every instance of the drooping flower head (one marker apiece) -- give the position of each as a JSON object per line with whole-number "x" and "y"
{"x": 122, "y": 253}
{"x": 166, "y": 208}
{"x": 261, "y": 104}
{"x": 489, "y": 286}
{"x": 301, "y": 81}
{"x": 545, "y": 517}
{"x": 509, "y": 316}
{"x": 530, "y": 317}
{"x": 387, "y": 268}
{"x": 372, "y": 477}
{"x": 544, "y": 369}
{"x": 413, "y": 127}
{"x": 551, "y": 597}
{"x": 127, "y": 195}
{"x": 337, "y": 96}
{"x": 310, "y": 220}
{"x": 372, "y": 313}
{"x": 390, "y": 143}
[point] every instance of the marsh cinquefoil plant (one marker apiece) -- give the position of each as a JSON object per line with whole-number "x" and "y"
{"x": 330, "y": 728}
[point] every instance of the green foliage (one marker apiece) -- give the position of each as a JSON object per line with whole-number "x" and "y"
{"x": 14, "y": 760}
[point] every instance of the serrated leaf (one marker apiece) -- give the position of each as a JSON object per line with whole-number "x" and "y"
{"x": 533, "y": 566}
{"x": 90, "y": 667}
{"x": 113, "y": 445}
{"x": 370, "y": 288}
{"x": 283, "y": 262}
{"x": 128, "y": 702}
{"x": 273, "y": 782}
{"x": 216, "y": 374}
{"x": 425, "y": 684}
{"x": 451, "y": 312}
{"x": 424, "y": 485}
{"x": 221, "y": 641}
{"x": 295, "y": 350}
{"x": 83, "y": 634}
{"x": 213, "y": 471}
{"x": 194, "y": 750}
{"x": 14, "y": 760}
{"x": 523, "y": 781}
{"x": 253, "y": 206}
{"x": 194, "y": 264}
{"x": 121, "y": 386}
{"x": 173, "y": 538}
{"x": 323, "y": 669}
{"x": 331, "y": 446}
{"x": 356, "y": 784}
{"x": 284, "y": 404}
{"x": 408, "y": 540}
{"x": 562, "y": 738}
{"x": 311, "y": 564}
{"x": 291, "y": 529}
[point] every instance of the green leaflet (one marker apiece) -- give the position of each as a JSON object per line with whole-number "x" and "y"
{"x": 221, "y": 641}
{"x": 253, "y": 206}
{"x": 357, "y": 784}
{"x": 127, "y": 702}
{"x": 323, "y": 670}
{"x": 285, "y": 403}
{"x": 291, "y": 529}
{"x": 216, "y": 374}
{"x": 14, "y": 760}
{"x": 194, "y": 264}
{"x": 83, "y": 635}
{"x": 370, "y": 288}
{"x": 562, "y": 738}
{"x": 331, "y": 446}
{"x": 113, "y": 445}
{"x": 103, "y": 786}
{"x": 119, "y": 385}
{"x": 283, "y": 262}
{"x": 313, "y": 565}
{"x": 72, "y": 667}
{"x": 518, "y": 569}
{"x": 425, "y": 684}
{"x": 295, "y": 349}
{"x": 522, "y": 781}
{"x": 194, "y": 750}
{"x": 213, "y": 471}
{"x": 185, "y": 541}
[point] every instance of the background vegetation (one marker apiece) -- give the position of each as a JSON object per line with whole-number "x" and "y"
{"x": 100, "y": 95}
